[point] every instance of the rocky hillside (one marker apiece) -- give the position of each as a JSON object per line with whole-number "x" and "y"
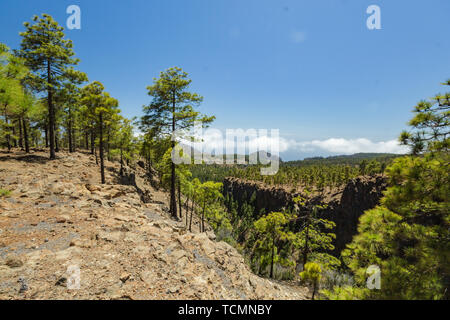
{"x": 345, "y": 205}
{"x": 57, "y": 218}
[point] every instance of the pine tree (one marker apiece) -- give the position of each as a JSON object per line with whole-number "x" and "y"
{"x": 430, "y": 125}
{"x": 312, "y": 273}
{"x": 313, "y": 240}
{"x": 50, "y": 57}
{"x": 172, "y": 110}
{"x": 102, "y": 109}
{"x": 12, "y": 74}
{"x": 271, "y": 229}
{"x": 408, "y": 235}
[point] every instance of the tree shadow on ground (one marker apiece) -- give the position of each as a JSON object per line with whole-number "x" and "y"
{"x": 30, "y": 158}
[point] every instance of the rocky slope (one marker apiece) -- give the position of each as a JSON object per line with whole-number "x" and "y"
{"x": 58, "y": 220}
{"x": 345, "y": 205}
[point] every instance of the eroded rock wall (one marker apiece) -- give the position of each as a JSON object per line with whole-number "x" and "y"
{"x": 345, "y": 205}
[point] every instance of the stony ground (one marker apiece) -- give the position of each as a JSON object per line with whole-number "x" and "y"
{"x": 58, "y": 219}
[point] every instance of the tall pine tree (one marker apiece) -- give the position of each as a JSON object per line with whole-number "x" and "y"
{"x": 49, "y": 56}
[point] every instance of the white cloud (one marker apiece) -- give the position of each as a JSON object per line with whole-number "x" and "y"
{"x": 216, "y": 140}
{"x": 349, "y": 146}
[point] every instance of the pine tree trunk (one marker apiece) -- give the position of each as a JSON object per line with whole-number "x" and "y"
{"x": 107, "y": 145}
{"x": 121, "y": 162}
{"x": 102, "y": 163}
{"x": 25, "y": 136}
{"x": 192, "y": 213}
{"x": 92, "y": 141}
{"x": 8, "y": 137}
{"x": 187, "y": 210}
{"x": 56, "y": 139}
{"x": 20, "y": 133}
{"x": 305, "y": 252}
{"x": 314, "y": 291}
{"x": 14, "y": 134}
{"x": 273, "y": 254}
{"x": 173, "y": 200}
{"x": 46, "y": 135}
{"x": 69, "y": 132}
{"x": 179, "y": 200}
{"x": 51, "y": 113}
{"x": 203, "y": 218}
{"x": 74, "y": 138}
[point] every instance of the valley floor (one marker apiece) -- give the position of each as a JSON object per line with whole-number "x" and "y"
{"x": 58, "y": 219}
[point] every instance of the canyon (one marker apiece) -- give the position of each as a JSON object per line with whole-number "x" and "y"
{"x": 344, "y": 205}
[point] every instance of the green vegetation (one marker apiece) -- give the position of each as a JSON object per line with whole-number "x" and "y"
{"x": 313, "y": 275}
{"x": 270, "y": 231}
{"x": 315, "y": 173}
{"x": 171, "y": 111}
{"x": 4, "y": 193}
{"x": 408, "y": 236}
{"x": 278, "y": 243}
{"x": 49, "y": 57}
{"x": 70, "y": 116}
{"x": 315, "y": 238}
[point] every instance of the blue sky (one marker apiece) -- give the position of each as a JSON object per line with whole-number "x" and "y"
{"x": 309, "y": 68}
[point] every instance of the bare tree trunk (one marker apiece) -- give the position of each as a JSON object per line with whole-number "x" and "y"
{"x": 20, "y": 133}
{"x": 51, "y": 113}
{"x": 187, "y": 210}
{"x": 8, "y": 137}
{"x": 192, "y": 213}
{"x": 46, "y": 135}
{"x": 74, "y": 136}
{"x": 56, "y": 139}
{"x": 107, "y": 145}
{"x": 121, "y": 161}
{"x": 102, "y": 161}
{"x": 25, "y": 135}
{"x": 203, "y": 218}
{"x": 92, "y": 140}
{"x": 179, "y": 200}
{"x": 70, "y": 132}
{"x": 173, "y": 201}
{"x": 273, "y": 254}
{"x": 314, "y": 290}
{"x": 305, "y": 252}
{"x": 14, "y": 134}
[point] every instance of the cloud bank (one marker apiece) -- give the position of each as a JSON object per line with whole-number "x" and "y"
{"x": 349, "y": 146}
{"x": 215, "y": 142}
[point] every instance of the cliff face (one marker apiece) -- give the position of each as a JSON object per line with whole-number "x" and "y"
{"x": 345, "y": 206}
{"x": 359, "y": 195}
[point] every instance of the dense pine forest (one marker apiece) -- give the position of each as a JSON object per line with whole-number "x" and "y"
{"x": 312, "y": 172}
{"x": 48, "y": 104}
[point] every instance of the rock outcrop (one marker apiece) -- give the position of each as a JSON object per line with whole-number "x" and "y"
{"x": 59, "y": 225}
{"x": 345, "y": 205}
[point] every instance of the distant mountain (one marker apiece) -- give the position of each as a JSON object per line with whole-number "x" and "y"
{"x": 353, "y": 159}
{"x": 209, "y": 158}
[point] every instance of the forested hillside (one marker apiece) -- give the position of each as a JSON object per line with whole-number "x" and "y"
{"x": 316, "y": 173}
{"x": 334, "y": 217}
